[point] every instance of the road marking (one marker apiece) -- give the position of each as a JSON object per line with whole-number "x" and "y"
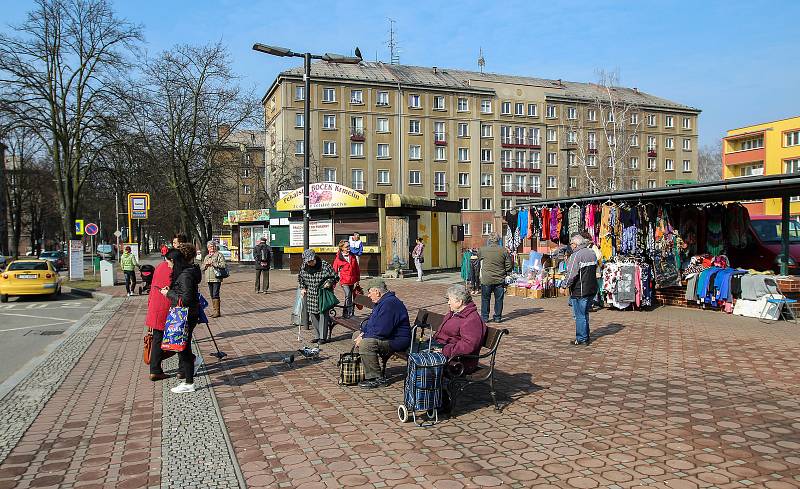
{"x": 36, "y": 317}
{"x": 37, "y": 326}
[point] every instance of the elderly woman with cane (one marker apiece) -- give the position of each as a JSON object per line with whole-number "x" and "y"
{"x": 316, "y": 274}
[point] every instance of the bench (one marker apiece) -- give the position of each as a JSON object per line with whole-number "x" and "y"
{"x": 352, "y": 323}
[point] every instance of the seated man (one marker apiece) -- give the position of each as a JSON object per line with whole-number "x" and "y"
{"x": 462, "y": 331}
{"x": 387, "y": 330}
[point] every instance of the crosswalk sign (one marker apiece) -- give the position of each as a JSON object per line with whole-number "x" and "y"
{"x": 78, "y": 227}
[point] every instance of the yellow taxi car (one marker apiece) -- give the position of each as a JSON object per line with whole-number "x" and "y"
{"x": 29, "y": 276}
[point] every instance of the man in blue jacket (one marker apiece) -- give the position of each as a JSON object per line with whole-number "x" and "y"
{"x": 387, "y": 330}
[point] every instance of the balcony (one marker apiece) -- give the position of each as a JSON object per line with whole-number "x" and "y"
{"x": 592, "y": 150}
{"x": 519, "y": 192}
{"x": 525, "y": 144}
{"x": 357, "y": 134}
{"x": 440, "y": 193}
{"x": 651, "y": 153}
{"x": 746, "y": 156}
{"x": 439, "y": 142}
{"x": 522, "y": 168}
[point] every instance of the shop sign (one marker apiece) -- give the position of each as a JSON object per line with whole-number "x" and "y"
{"x": 320, "y": 233}
{"x": 75, "y": 259}
{"x": 322, "y": 196}
{"x": 247, "y": 215}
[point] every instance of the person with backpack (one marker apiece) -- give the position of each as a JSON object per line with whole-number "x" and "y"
{"x": 262, "y": 254}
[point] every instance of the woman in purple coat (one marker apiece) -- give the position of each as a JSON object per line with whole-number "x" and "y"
{"x": 462, "y": 331}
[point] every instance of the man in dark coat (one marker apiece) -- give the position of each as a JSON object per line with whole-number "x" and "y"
{"x": 262, "y": 254}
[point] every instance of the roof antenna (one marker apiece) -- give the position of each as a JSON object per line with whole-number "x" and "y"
{"x": 481, "y": 60}
{"x": 394, "y": 51}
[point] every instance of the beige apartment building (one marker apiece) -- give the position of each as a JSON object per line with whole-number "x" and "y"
{"x": 478, "y": 138}
{"x": 241, "y": 154}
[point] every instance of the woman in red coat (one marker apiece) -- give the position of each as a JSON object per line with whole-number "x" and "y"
{"x": 157, "y": 310}
{"x": 462, "y": 331}
{"x": 346, "y": 267}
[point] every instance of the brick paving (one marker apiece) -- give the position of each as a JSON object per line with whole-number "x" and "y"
{"x": 671, "y": 398}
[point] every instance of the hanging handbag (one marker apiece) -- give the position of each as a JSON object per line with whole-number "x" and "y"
{"x": 175, "y": 328}
{"x": 148, "y": 347}
{"x": 221, "y": 273}
{"x": 327, "y": 299}
{"x": 351, "y": 370}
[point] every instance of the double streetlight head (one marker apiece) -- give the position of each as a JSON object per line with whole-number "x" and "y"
{"x": 329, "y": 57}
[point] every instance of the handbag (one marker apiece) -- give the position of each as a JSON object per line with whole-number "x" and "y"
{"x": 148, "y": 347}
{"x": 327, "y": 299}
{"x": 175, "y": 328}
{"x": 351, "y": 370}
{"x": 221, "y": 273}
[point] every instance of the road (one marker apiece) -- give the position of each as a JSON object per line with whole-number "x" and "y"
{"x": 29, "y": 324}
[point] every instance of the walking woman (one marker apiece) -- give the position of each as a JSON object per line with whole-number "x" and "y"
{"x": 128, "y": 264}
{"x": 157, "y": 310}
{"x": 314, "y": 275}
{"x": 417, "y": 255}
{"x": 346, "y": 267}
{"x": 212, "y": 264}
{"x": 183, "y": 289}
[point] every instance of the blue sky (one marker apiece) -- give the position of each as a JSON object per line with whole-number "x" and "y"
{"x": 735, "y": 60}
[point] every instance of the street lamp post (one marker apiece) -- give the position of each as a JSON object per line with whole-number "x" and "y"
{"x": 307, "y": 57}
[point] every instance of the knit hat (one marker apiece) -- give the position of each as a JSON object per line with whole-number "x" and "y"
{"x": 309, "y": 255}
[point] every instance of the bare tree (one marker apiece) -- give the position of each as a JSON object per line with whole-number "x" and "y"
{"x": 23, "y": 147}
{"x": 600, "y": 149}
{"x": 709, "y": 163}
{"x": 184, "y": 108}
{"x": 285, "y": 170}
{"x": 55, "y": 72}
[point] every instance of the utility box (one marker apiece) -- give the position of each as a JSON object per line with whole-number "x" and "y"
{"x": 106, "y": 273}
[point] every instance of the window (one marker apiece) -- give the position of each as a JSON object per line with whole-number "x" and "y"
{"x": 299, "y": 120}
{"x": 572, "y": 113}
{"x": 754, "y": 143}
{"x": 486, "y": 204}
{"x": 414, "y": 177}
{"x": 414, "y": 152}
{"x": 591, "y": 138}
{"x": 298, "y": 147}
{"x": 438, "y": 131}
{"x": 329, "y": 121}
{"x": 486, "y": 106}
{"x": 687, "y": 165}
{"x": 463, "y": 104}
{"x": 441, "y": 153}
{"x": 552, "y": 182}
{"x": 669, "y": 121}
{"x": 486, "y": 155}
{"x": 357, "y": 177}
{"x": 467, "y": 231}
{"x": 687, "y": 144}
{"x": 635, "y": 140}
{"x": 357, "y": 125}
{"x": 505, "y": 134}
{"x": 329, "y": 174}
{"x": 552, "y": 113}
{"x": 687, "y": 122}
{"x": 651, "y": 120}
{"x": 329, "y": 148}
{"x": 611, "y": 140}
{"x": 521, "y": 184}
{"x": 634, "y": 184}
{"x": 383, "y": 177}
{"x": 536, "y": 186}
{"x": 610, "y": 184}
{"x": 414, "y": 101}
{"x": 792, "y": 138}
{"x": 751, "y": 170}
{"x": 487, "y": 228}
{"x": 246, "y": 189}
{"x": 651, "y": 164}
{"x": 669, "y": 165}
{"x": 463, "y": 154}
{"x": 464, "y": 204}
{"x": 572, "y": 159}
{"x": 356, "y": 97}
{"x": 552, "y": 160}
{"x": 591, "y": 161}
{"x": 383, "y": 99}
{"x": 610, "y": 161}
{"x": 520, "y": 159}
{"x": 519, "y": 135}
{"x": 505, "y": 204}
{"x": 651, "y": 184}
{"x": 634, "y": 119}
{"x": 551, "y": 136}
{"x": 245, "y": 172}
{"x": 533, "y": 110}
{"x": 651, "y": 143}
{"x": 439, "y": 181}
{"x": 669, "y": 143}
{"x": 533, "y": 135}
{"x": 793, "y": 165}
{"x": 634, "y": 163}
{"x": 463, "y": 130}
{"x": 299, "y": 92}
{"x": 463, "y": 179}
{"x": 610, "y": 117}
{"x": 438, "y": 102}
{"x": 383, "y": 151}
{"x": 328, "y": 95}
{"x": 505, "y": 108}
{"x": 383, "y": 125}
{"x": 591, "y": 115}
{"x": 486, "y": 130}
{"x": 486, "y": 180}
{"x": 519, "y": 109}
{"x": 505, "y": 158}
{"x": 506, "y": 183}
{"x": 413, "y": 126}
{"x": 573, "y": 182}
{"x": 356, "y": 149}
{"x": 572, "y": 136}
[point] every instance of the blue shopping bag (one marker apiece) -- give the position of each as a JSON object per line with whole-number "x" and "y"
{"x": 202, "y": 318}
{"x": 175, "y": 328}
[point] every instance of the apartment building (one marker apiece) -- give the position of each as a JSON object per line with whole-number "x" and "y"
{"x": 241, "y": 153}
{"x": 769, "y": 148}
{"x": 478, "y": 138}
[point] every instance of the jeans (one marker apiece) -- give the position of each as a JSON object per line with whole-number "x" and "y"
{"x": 155, "y": 352}
{"x": 499, "y": 291}
{"x": 186, "y": 357}
{"x": 418, "y": 266}
{"x": 319, "y": 322}
{"x": 580, "y": 309}
{"x": 348, "y": 300}
{"x": 130, "y": 281}
{"x": 262, "y": 280}
{"x": 213, "y": 289}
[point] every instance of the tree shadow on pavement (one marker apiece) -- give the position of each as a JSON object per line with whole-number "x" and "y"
{"x": 255, "y": 311}
{"x": 237, "y": 372}
{"x": 509, "y": 388}
{"x": 607, "y": 330}
{"x": 242, "y": 332}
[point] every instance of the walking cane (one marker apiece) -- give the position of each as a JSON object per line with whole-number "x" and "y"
{"x": 219, "y": 354}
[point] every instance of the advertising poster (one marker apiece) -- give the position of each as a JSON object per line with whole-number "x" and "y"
{"x": 75, "y": 259}
{"x": 320, "y": 233}
{"x": 322, "y": 196}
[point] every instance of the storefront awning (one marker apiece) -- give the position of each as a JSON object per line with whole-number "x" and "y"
{"x": 401, "y": 200}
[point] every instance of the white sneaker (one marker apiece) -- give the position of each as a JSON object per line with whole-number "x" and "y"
{"x": 182, "y": 388}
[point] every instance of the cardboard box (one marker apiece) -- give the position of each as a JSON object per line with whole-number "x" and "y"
{"x": 535, "y": 293}
{"x": 511, "y": 290}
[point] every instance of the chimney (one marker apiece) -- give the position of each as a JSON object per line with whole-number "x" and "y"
{"x": 435, "y": 70}
{"x": 636, "y": 90}
{"x": 560, "y": 84}
{"x": 223, "y": 131}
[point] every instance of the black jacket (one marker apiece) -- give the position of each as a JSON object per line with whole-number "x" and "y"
{"x": 185, "y": 288}
{"x": 581, "y": 269}
{"x": 262, "y": 253}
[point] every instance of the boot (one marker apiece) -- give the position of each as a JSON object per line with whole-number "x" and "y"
{"x": 215, "y": 307}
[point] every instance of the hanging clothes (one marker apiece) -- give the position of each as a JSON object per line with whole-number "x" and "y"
{"x": 714, "y": 236}
{"x": 522, "y": 222}
{"x": 574, "y": 219}
{"x": 545, "y": 220}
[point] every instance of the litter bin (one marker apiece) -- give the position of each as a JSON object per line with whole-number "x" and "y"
{"x": 96, "y": 263}
{"x": 106, "y": 274}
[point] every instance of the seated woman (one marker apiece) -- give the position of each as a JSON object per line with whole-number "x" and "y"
{"x": 462, "y": 331}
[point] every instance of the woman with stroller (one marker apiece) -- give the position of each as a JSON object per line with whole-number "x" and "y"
{"x": 462, "y": 331}
{"x": 183, "y": 289}
{"x": 346, "y": 267}
{"x": 314, "y": 275}
{"x": 212, "y": 263}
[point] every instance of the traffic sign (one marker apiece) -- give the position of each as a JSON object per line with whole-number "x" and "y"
{"x": 78, "y": 227}
{"x": 117, "y": 233}
{"x": 138, "y": 205}
{"x": 91, "y": 229}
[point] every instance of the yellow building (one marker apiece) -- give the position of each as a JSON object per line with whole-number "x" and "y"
{"x": 770, "y": 148}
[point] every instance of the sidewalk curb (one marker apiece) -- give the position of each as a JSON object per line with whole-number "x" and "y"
{"x": 87, "y": 293}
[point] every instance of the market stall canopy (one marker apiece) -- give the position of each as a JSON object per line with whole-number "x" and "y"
{"x": 401, "y": 200}
{"x": 749, "y": 188}
{"x": 245, "y": 215}
{"x": 322, "y": 196}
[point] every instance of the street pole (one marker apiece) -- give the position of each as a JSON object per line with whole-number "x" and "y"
{"x": 116, "y": 208}
{"x": 306, "y": 148}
